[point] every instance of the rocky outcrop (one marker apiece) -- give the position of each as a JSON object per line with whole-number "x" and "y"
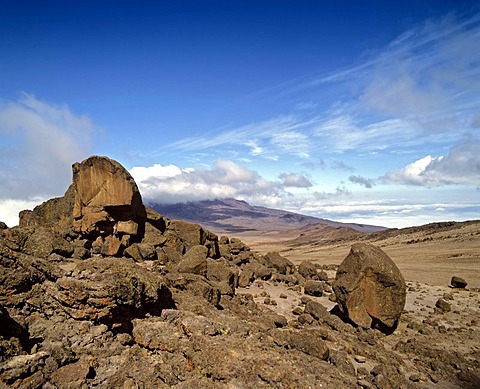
{"x": 127, "y": 299}
{"x": 102, "y": 201}
{"x": 369, "y": 288}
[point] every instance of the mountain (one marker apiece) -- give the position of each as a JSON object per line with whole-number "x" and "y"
{"x": 226, "y": 216}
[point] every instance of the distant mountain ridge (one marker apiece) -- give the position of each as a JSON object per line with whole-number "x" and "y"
{"x": 237, "y": 216}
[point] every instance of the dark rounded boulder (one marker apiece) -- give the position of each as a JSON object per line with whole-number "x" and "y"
{"x": 369, "y": 288}
{"x": 458, "y": 282}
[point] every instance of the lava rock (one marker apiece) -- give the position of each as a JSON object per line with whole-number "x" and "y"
{"x": 369, "y": 288}
{"x": 458, "y": 282}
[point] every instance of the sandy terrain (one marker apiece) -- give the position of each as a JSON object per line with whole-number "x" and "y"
{"x": 426, "y": 255}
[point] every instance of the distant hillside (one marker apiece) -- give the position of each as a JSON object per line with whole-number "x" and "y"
{"x": 233, "y": 216}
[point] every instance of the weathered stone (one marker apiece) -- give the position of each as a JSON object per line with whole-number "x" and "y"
{"x": 126, "y": 227}
{"x": 313, "y": 288}
{"x": 3, "y": 226}
{"x": 55, "y": 214}
{"x": 112, "y": 290}
{"x": 458, "y": 282}
{"x": 153, "y": 235}
{"x": 443, "y": 305}
{"x": 39, "y": 242}
{"x": 219, "y": 271}
{"x": 74, "y": 375}
{"x": 192, "y": 234}
{"x": 111, "y": 246}
{"x": 102, "y": 194}
{"x": 133, "y": 251}
{"x": 276, "y": 261}
{"x": 317, "y": 310}
{"x": 105, "y": 193}
{"x": 322, "y": 275}
{"x": 307, "y": 269}
{"x": 194, "y": 261}
{"x": 369, "y": 288}
{"x": 307, "y": 341}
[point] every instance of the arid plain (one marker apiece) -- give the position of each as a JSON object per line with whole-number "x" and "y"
{"x": 430, "y": 254}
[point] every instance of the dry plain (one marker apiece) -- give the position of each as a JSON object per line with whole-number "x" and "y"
{"x": 429, "y": 254}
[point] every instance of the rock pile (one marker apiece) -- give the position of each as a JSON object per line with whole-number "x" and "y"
{"x": 96, "y": 290}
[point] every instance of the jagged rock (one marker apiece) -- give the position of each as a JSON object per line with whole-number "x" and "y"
{"x": 21, "y": 365}
{"x": 443, "y": 305}
{"x": 307, "y": 269}
{"x": 3, "y": 226}
{"x": 105, "y": 194}
{"x": 55, "y": 214}
{"x": 458, "y": 282}
{"x": 102, "y": 194}
{"x": 111, "y": 246}
{"x": 74, "y": 375}
{"x": 313, "y": 288}
{"x": 196, "y": 285}
{"x": 276, "y": 261}
{"x": 184, "y": 235}
{"x": 111, "y": 290}
{"x": 194, "y": 261}
{"x": 153, "y": 235}
{"x": 141, "y": 252}
{"x": 316, "y": 310}
{"x": 18, "y": 274}
{"x": 307, "y": 341}
{"x": 219, "y": 271}
{"x": 369, "y": 288}
{"x": 39, "y": 242}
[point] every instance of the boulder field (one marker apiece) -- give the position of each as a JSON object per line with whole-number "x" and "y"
{"x": 97, "y": 290}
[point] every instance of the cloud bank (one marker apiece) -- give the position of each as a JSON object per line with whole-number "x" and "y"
{"x": 39, "y": 142}
{"x": 461, "y": 166}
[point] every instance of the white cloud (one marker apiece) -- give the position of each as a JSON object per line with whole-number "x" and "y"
{"x": 461, "y": 166}
{"x": 10, "y": 208}
{"x": 225, "y": 179}
{"x": 295, "y": 180}
{"x": 39, "y": 142}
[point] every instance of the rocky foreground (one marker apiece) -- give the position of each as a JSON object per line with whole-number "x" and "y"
{"x": 96, "y": 290}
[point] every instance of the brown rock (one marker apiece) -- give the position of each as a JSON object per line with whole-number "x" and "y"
{"x": 105, "y": 193}
{"x": 313, "y": 288}
{"x": 276, "y": 261}
{"x": 307, "y": 269}
{"x": 111, "y": 246}
{"x": 128, "y": 227}
{"x": 219, "y": 271}
{"x": 194, "y": 261}
{"x": 369, "y": 288}
{"x": 443, "y": 305}
{"x": 458, "y": 282}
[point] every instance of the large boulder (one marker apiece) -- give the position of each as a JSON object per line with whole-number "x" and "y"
{"x": 275, "y": 261}
{"x": 369, "y": 288}
{"x": 102, "y": 200}
{"x": 105, "y": 195}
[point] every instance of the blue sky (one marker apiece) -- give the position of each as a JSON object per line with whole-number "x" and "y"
{"x": 359, "y": 111}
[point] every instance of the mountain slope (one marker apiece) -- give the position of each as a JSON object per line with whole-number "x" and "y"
{"x": 234, "y": 216}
